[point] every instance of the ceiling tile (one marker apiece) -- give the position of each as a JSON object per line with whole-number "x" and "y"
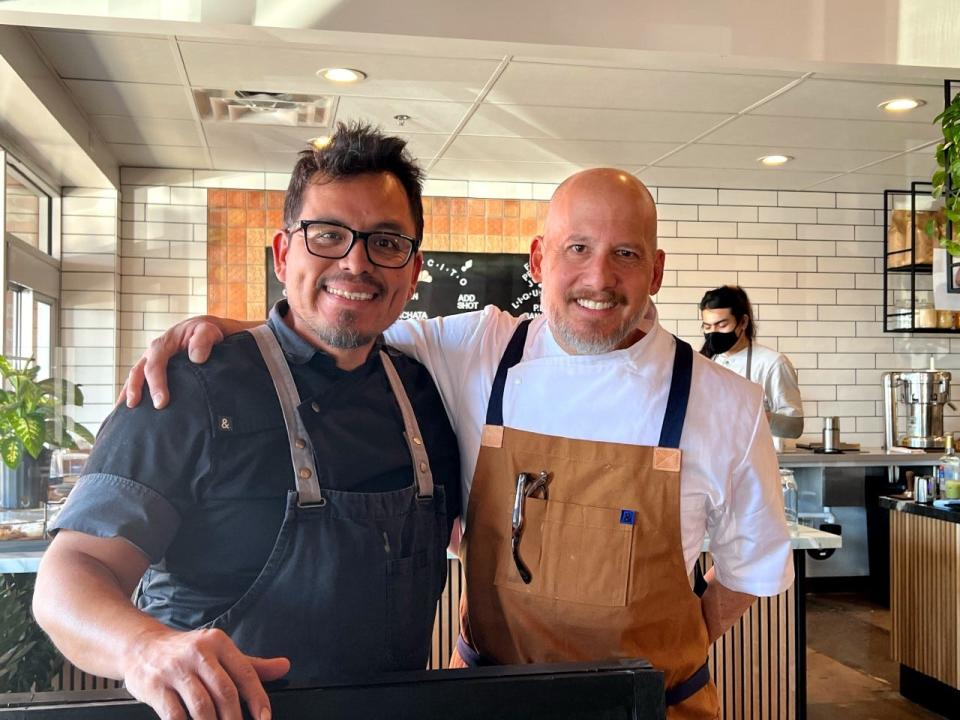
{"x": 98, "y": 56}
{"x": 724, "y": 178}
{"x": 279, "y": 69}
{"x": 745, "y": 157}
{"x": 146, "y": 131}
{"x": 131, "y": 99}
{"x": 918, "y": 165}
{"x": 817, "y": 133}
{"x": 425, "y": 116}
{"x": 593, "y": 87}
{"x": 503, "y": 171}
{"x": 579, "y": 152}
{"x": 862, "y": 183}
{"x": 848, "y": 100}
{"x": 586, "y": 124}
{"x": 160, "y": 156}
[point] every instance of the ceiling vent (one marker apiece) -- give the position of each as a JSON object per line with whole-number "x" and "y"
{"x": 260, "y": 107}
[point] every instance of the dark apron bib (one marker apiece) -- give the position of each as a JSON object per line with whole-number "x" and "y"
{"x": 351, "y": 585}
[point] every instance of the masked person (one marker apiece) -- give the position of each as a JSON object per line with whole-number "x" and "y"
{"x": 292, "y": 506}
{"x": 728, "y": 338}
{"x": 592, "y": 460}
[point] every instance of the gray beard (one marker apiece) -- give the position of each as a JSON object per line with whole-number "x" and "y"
{"x": 593, "y": 344}
{"x": 344, "y": 336}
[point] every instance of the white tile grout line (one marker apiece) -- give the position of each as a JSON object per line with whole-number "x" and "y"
{"x": 481, "y": 96}
{"x": 709, "y": 131}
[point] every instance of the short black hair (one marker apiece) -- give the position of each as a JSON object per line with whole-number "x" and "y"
{"x": 356, "y": 148}
{"x": 735, "y": 298}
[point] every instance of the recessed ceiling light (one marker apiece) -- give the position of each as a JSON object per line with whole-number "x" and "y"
{"x": 901, "y": 104}
{"x": 773, "y": 160}
{"x": 342, "y": 75}
{"x": 319, "y": 142}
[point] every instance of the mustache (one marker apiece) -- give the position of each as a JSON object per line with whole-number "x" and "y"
{"x": 369, "y": 282}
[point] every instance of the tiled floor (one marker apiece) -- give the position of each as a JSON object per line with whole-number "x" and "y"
{"x": 849, "y": 671}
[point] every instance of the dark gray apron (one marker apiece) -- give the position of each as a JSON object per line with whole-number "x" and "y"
{"x": 351, "y": 585}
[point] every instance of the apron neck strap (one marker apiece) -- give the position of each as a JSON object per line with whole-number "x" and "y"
{"x": 511, "y": 356}
{"x": 301, "y": 449}
{"x": 749, "y": 360}
{"x": 676, "y": 411}
{"x": 418, "y": 453}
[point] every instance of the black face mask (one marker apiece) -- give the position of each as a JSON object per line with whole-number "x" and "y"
{"x": 719, "y": 342}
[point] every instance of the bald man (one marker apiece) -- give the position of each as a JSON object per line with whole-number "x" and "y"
{"x": 597, "y": 452}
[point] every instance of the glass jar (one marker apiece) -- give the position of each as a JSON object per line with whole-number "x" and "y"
{"x": 945, "y": 319}
{"x": 925, "y": 315}
{"x": 788, "y": 484}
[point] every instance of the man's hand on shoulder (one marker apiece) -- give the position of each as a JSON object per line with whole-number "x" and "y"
{"x": 196, "y": 335}
{"x": 199, "y": 674}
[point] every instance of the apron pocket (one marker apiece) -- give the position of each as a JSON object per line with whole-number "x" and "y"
{"x": 575, "y": 553}
{"x": 411, "y": 608}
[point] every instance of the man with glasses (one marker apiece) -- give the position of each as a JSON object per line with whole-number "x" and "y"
{"x": 598, "y": 450}
{"x": 289, "y": 512}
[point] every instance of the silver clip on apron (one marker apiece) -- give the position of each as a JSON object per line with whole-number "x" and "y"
{"x": 351, "y": 585}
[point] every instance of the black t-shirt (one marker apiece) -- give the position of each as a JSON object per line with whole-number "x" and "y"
{"x": 201, "y": 485}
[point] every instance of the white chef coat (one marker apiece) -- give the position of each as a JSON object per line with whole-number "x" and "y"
{"x": 775, "y": 374}
{"x": 729, "y": 476}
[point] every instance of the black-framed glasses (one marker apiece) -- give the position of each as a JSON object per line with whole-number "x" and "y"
{"x": 334, "y": 241}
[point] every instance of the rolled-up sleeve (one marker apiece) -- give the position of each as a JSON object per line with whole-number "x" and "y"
{"x": 146, "y": 469}
{"x": 749, "y": 540}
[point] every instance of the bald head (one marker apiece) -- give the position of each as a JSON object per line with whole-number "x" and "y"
{"x": 602, "y": 195}
{"x": 597, "y": 260}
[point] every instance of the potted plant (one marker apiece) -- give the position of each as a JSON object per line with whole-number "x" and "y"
{"x": 28, "y": 660}
{"x": 31, "y": 417}
{"x": 946, "y": 179}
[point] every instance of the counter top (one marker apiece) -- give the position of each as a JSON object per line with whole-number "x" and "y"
{"x": 867, "y": 457}
{"x": 21, "y": 560}
{"x": 930, "y": 511}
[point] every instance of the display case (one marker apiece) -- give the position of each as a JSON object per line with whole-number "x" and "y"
{"x": 28, "y": 525}
{"x": 914, "y": 222}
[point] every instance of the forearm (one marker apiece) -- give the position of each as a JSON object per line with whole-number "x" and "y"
{"x": 787, "y": 426}
{"x": 721, "y": 606}
{"x": 90, "y": 618}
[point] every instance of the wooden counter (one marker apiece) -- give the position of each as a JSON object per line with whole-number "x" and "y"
{"x": 925, "y": 602}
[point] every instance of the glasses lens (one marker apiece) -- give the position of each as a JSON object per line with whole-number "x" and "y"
{"x": 327, "y": 240}
{"x": 388, "y": 249}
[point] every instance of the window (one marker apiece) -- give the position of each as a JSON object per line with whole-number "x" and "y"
{"x": 29, "y": 327}
{"x": 27, "y": 210}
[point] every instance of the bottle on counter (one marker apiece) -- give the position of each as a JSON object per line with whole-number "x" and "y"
{"x": 788, "y": 484}
{"x": 948, "y": 471}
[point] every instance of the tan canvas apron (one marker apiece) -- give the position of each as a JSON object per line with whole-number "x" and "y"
{"x": 602, "y": 545}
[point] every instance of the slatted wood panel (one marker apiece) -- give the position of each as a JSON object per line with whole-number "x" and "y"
{"x": 925, "y": 595}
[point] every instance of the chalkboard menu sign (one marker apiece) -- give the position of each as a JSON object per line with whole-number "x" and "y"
{"x": 453, "y": 282}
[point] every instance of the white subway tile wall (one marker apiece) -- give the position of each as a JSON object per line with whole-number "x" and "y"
{"x": 809, "y": 260}
{"x": 89, "y": 280}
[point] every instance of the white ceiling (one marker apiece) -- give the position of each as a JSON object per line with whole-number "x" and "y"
{"x": 477, "y": 113}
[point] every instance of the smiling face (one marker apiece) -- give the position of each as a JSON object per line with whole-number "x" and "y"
{"x": 598, "y": 261}
{"x": 342, "y": 306}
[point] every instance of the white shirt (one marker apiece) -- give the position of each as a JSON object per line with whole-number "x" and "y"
{"x": 775, "y": 374}
{"x": 729, "y": 477}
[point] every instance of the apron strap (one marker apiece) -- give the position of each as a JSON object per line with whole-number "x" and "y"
{"x": 511, "y": 356}
{"x": 676, "y": 410}
{"x": 749, "y": 360}
{"x": 421, "y": 464}
{"x": 687, "y": 688}
{"x": 301, "y": 449}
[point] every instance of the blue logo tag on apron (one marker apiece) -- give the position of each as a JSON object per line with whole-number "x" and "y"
{"x": 628, "y": 517}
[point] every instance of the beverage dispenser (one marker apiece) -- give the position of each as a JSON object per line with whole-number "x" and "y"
{"x": 913, "y": 403}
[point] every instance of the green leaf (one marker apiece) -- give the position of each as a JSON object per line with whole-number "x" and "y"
{"x": 62, "y": 390}
{"x": 10, "y": 451}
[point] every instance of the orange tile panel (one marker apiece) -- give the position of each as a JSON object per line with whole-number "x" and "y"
{"x": 236, "y": 236}
{"x": 441, "y": 206}
{"x": 236, "y": 198}
{"x": 275, "y": 199}
{"x": 274, "y": 220}
{"x": 458, "y": 224}
{"x": 441, "y": 224}
{"x": 494, "y": 208}
{"x": 475, "y": 207}
{"x": 256, "y": 236}
{"x": 216, "y": 217}
{"x": 216, "y": 236}
{"x": 458, "y": 206}
{"x": 236, "y": 217}
{"x": 528, "y": 226}
{"x": 528, "y": 208}
{"x": 494, "y": 225}
{"x": 216, "y": 198}
{"x": 256, "y": 218}
{"x": 254, "y": 199}
{"x": 236, "y": 274}
{"x": 476, "y": 225}
{"x": 511, "y": 208}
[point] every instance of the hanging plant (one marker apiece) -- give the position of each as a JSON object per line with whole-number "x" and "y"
{"x": 948, "y": 174}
